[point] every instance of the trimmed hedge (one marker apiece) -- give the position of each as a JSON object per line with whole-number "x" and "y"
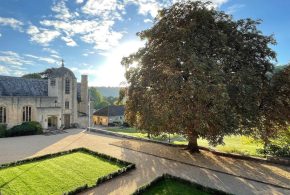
{"x": 3, "y": 129}
{"x": 144, "y": 188}
{"x": 128, "y": 166}
{"x": 26, "y": 128}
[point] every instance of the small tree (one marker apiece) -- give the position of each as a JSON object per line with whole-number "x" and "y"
{"x": 200, "y": 74}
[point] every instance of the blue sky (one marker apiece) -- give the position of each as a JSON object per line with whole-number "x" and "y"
{"x": 93, "y": 35}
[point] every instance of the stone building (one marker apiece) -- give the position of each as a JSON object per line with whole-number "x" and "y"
{"x": 56, "y": 102}
{"x": 109, "y": 115}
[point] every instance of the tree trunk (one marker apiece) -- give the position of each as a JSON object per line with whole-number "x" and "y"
{"x": 266, "y": 143}
{"x": 192, "y": 142}
{"x": 148, "y": 135}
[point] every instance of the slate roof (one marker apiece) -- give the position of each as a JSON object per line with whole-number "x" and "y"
{"x": 113, "y": 111}
{"x": 59, "y": 72}
{"x": 17, "y": 86}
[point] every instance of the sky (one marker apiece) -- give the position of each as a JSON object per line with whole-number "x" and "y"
{"x": 92, "y": 36}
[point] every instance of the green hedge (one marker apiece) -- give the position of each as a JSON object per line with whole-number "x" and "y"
{"x": 144, "y": 188}
{"x": 3, "y": 129}
{"x": 26, "y": 128}
{"x": 128, "y": 166}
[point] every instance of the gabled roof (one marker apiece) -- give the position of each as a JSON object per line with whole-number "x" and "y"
{"x": 17, "y": 86}
{"x": 110, "y": 111}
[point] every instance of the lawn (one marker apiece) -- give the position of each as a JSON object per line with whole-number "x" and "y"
{"x": 55, "y": 175}
{"x": 233, "y": 144}
{"x": 172, "y": 187}
{"x": 168, "y": 184}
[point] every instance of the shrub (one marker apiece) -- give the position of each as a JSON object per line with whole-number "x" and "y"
{"x": 275, "y": 150}
{"x": 26, "y": 128}
{"x": 3, "y": 129}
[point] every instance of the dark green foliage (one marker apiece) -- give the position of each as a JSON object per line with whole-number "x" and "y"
{"x": 155, "y": 187}
{"x": 3, "y": 129}
{"x": 26, "y": 128}
{"x": 32, "y": 76}
{"x": 200, "y": 74}
{"x": 39, "y": 75}
{"x": 275, "y": 150}
{"x": 273, "y": 119}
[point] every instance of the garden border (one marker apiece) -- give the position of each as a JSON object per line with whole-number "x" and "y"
{"x": 128, "y": 166}
{"x": 273, "y": 160}
{"x": 142, "y": 189}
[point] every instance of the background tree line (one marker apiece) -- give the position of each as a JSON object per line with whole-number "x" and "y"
{"x": 100, "y": 101}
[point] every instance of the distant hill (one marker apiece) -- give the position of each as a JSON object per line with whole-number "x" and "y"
{"x": 109, "y": 91}
{"x": 279, "y": 68}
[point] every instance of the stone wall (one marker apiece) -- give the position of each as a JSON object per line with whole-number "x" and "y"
{"x": 41, "y": 107}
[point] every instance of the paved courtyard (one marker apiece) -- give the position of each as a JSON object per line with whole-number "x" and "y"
{"x": 152, "y": 160}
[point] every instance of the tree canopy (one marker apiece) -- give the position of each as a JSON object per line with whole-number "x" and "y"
{"x": 201, "y": 74}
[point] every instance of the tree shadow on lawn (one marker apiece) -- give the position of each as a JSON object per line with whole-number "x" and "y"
{"x": 265, "y": 172}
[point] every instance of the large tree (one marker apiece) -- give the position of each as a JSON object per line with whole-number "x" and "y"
{"x": 273, "y": 119}
{"x": 201, "y": 74}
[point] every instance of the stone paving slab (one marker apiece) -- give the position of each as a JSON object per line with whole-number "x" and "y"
{"x": 148, "y": 167}
{"x": 265, "y": 172}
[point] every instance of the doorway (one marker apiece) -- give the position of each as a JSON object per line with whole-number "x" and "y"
{"x": 52, "y": 122}
{"x": 67, "y": 121}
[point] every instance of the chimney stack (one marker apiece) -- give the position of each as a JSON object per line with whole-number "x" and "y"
{"x": 84, "y": 94}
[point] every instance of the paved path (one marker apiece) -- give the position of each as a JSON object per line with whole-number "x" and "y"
{"x": 149, "y": 165}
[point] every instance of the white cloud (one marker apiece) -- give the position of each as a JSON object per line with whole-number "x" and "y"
{"x": 0, "y": 35}
{"x": 62, "y": 12}
{"x": 232, "y": 9}
{"x": 12, "y": 58}
{"x": 13, "y": 23}
{"x": 148, "y": 21}
{"x": 69, "y": 41}
{"x": 99, "y": 33}
{"x": 103, "y": 37}
{"x": 42, "y": 36}
{"x": 44, "y": 59}
{"x": 103, "y": 8}
{"x": 50, "y": 50}
{"x": 12, "y": 63}
{"x": 79, "y": 1}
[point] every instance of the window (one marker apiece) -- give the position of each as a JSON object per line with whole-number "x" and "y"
{"x": 66, "y": 104}
{"x": 26, "y": 114}
{"x": 2, "y": 115}
{"x": 52, "y": 82}
{"x": 67, "y": 86}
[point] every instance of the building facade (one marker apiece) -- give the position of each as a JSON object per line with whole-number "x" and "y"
{"x": 109, "y": 115}
{"x": 56, "y": 102}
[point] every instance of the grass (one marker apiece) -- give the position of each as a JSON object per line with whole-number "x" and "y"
{"x": 55, "y": 175}
{"x": 172, "y": 187}
{"x": 233, "y": 144}
{"x": 168, "y": 184}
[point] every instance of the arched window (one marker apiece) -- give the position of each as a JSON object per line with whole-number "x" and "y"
{"x": 26, "y": 114}
{"x": 2, "y": 115}
{"x": 67, "y": 86}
